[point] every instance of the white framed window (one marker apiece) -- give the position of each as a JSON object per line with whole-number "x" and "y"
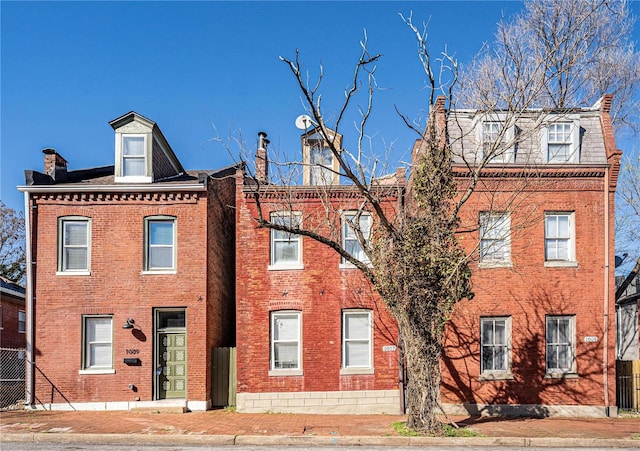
{"x": 350, "y": 242}
{"x": 495, "y": 239}
{"x": 286, "y": 247}
{"x": 357, "y": 341}
{"x": 97, "y": 343}
{"x": 160, "y": 244}
{"x": 559, "y": 237}
{"x": 496, "y": 135}
{"x": 320, "y": 164}
{"x": 133, "y": 156}
{"x": 561, "y": 142}
{"x": 495, "y": 339}
{"x": 74, "y": 245}
{"x": 22, "y": 321}
{"x": 285, "y": 343}
{"x": 561, "y": 344}
{"x": 321, "y": 160}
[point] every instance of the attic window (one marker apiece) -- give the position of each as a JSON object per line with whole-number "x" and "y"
{"x": 321, "y": 160}
{"x": 133, "y": 156}
{"x": 320, "y": 164}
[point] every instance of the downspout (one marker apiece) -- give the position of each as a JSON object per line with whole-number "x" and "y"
{"x": 29, "y": 376}
{"x": 605, "y": 339}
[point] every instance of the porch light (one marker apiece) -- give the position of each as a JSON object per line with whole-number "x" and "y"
{"x": 129, "y": 324}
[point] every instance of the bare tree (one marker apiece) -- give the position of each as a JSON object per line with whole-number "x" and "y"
{"x": 559, "y": 54}
{"x": 12, "y": 251}
{"x": 628, "y": 211}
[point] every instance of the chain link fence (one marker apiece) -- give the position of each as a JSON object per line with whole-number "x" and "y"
{"x": 12, "y": 374}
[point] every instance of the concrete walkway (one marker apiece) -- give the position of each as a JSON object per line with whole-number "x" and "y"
{"x": 226, "y": 427}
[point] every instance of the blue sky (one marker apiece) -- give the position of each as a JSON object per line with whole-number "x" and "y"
{"x": 68, "y": 68}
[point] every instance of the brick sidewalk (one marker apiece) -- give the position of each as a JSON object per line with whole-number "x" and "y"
{"x": 220, "y": 422}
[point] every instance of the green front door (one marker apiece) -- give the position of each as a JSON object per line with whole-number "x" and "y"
{"x": 172, "y": 365}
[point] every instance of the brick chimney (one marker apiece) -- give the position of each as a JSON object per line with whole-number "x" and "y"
{"x": 54, "y": 165}
{"x": 262, "y": 163}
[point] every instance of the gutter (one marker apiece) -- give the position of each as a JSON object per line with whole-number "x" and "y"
{"x": 605, "y": 339}
{"x": 29, "y": 376}
{"x": 146, "y": 188}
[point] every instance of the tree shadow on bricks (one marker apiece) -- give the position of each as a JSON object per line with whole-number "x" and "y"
{"x": 529, "y": 390}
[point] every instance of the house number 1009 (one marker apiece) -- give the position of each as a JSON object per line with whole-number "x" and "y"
{"x": 133, "y": 351}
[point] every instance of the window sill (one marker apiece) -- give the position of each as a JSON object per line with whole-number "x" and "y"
{"x": 504, "y": 376}
{"x": 291, "y": 267}
{"x": 73, "y": 273}
{"x": 168, "y": 271}
{"x": 355, "y": 371}
{"x": 561, "y": 375}
{"x": 98, "y": 371}
{"x": 278, "y": 373}
{"x": 352, "y": 266}
{"x": 560, "y": 264}
{"x": 495, "y": 264}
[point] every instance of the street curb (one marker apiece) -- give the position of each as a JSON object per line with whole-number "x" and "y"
{"x": 286, "y": 440}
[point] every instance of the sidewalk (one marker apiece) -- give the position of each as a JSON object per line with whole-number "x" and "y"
{"x": 226, "y": 427}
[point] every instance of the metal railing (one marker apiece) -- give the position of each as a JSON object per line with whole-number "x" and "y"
{"x": 628, "y": 392}
{"x": 12, "y": 374}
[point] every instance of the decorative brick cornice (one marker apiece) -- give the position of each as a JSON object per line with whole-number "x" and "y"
{"x": 116, "y": 197}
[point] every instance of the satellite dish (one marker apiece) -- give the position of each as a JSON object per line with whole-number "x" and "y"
{"x": 303, "y": 122}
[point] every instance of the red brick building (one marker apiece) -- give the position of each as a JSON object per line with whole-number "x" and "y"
{"x": 12, "y": 315}
{"x": 537, "y": 338}
{"x": 133, "y": 281}
{"x": 311, "y": 334}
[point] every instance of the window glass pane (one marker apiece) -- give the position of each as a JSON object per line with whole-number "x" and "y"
{"x": 285, "y": 355}
{"x": 75, "y": 233}
{"x": 357, "y": 353}
{"x": 75, "y": 258}
{"x": 161, "y": 257}
{"x": 285, "y": 328}
{"x": 356, "y": 326}
{"x": 99, "y": 329}
{"x": 286, "y": 251}
{"x": 321, "y": 155}
{"x": 133, "y": 145}
{"x": 563, "y": 226}
{"x": 133, "y": 167}
{"x": 499, "y": 337}
{"x": 171, "y": 319}
{"x": 100, "y": 355}
{"x": 487, "y": 332}
{"x": 161, "y": 232}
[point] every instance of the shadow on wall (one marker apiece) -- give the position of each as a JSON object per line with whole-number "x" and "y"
{"x": 53, "y": 391}
{"x": 530, "y": 388}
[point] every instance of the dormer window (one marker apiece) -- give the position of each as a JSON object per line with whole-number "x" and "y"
{"x": 561, "y": 141}
{"x": 143, "y": 154}
{"x": 133, "y": 156}
{"x": 321, "y": 160}
{"x": 320, "y": 164}
{"x": 497, "y": 139}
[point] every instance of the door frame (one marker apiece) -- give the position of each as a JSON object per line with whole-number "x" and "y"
{"x": 157, "y": 332}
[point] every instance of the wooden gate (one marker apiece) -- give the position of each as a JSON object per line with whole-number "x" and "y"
{"x": 223, "y": 377}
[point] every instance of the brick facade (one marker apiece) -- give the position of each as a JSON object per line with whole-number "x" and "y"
{"x": 12, "y": 303}
{"x": 522, "y": 293}
{"x": 320, "y": 291}
{"x": 118, "y": 286}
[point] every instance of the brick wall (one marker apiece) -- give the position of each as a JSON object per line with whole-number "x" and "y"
{"x": 9, "y": 335}
{"x": 117, "y": 286}
{"x": 528, "y": 291}
{"x": 320, "y": 292}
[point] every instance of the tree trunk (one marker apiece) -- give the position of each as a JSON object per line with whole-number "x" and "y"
{"x": 422, "y": 352}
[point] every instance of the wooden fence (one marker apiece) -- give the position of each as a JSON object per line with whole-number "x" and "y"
{"x": 223, "y": 377}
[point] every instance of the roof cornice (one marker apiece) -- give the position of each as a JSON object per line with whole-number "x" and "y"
{"x": 145, "y": 188}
